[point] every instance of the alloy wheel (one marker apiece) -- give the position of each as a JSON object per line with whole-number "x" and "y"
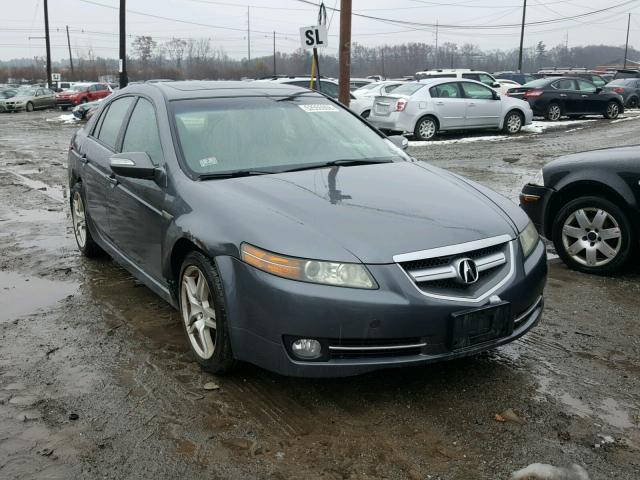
{"x": 554, "y": 112}
{"x": 514, "y": 123}
{"x": 592, "y": 237}
{"x": 198, "y": 312}
{"x": 427, "y": 128}
{"x": 79, "y": 219}
{"x": 613, "y": 110}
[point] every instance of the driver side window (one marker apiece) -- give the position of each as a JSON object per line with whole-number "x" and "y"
{"x": 476, "y": 92}
{"x": 585, "y": 86}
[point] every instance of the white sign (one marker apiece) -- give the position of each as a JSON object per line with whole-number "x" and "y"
{"x": 314, "y": 37}
{"x": 55, "y": 77}
{"x": 120, "y": 66}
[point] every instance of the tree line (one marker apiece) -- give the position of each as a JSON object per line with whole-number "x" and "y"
{"x": 181, "y": 58}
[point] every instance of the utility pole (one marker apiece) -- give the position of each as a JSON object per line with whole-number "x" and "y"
{"x": 274, "y": 53}
{"x": 124, "y": 80}
{"x": 344, "y": 58}
{"x": 436, "y": 62}
{"x": 382, "y": 55}
{"x": 248, "y": 35}
{"x": 73, "y": 74}
{"x": 47, "y": 42}
{"x": 626, "y": 46}
{"x": 524, "y": 16}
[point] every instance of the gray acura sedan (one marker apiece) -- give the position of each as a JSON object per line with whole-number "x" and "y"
{"x": 292, "y": 234}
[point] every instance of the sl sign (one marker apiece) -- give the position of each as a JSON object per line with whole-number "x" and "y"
{"x": 313, "y": 37}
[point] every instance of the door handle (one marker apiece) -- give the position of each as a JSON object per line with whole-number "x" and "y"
{"x": 563, "y": 94}
{"x": 83, "y": 159}
{"x": 112, "y": 180}
{"x": 471, "y": 104}
{"x": 439, "y": 103}
{"x": 585, "y": 96}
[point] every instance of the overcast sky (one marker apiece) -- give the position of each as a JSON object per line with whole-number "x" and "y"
{"x": 94, "y": 24}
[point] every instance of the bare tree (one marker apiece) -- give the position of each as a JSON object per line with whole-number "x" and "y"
{"x": 175, "y": 50}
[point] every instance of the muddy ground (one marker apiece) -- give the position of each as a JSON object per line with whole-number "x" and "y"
{"x": 96, "y": 380}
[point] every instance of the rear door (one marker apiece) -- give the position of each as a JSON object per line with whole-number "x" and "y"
{"x": 483, "y": 108}
{"x": 568, "y": 95}
{"x": 95, "y": 171}
{"x": 449, "y": 105}
{"x": 136, "y": 221}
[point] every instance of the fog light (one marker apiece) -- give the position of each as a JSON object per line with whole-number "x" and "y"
{"x": 306, "y": 348}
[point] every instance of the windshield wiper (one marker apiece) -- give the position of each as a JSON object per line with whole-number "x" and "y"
{"x": 236, "y": 174}
{"x": 293, "y": 96}
{"x": 344, "y": 162}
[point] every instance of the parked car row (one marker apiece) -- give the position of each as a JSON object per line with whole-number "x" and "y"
{"x": 32, "y": 97}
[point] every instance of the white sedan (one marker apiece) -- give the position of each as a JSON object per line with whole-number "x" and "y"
{"x": 365, "y": 96}
{"x": 505, "y": 85}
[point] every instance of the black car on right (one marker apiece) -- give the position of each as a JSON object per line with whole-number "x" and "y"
{"x": 588, "y": 204}
{"x": 556, "y": 97}
{"x": 628, "y": 88}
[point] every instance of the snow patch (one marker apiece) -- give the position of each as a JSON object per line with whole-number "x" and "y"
{"x": 542, "y": 471}
{"x": 540, "y": 127}
{"x": 624, "y": 119}
{"x": 488, "y": 138}
{"x": 68, "y": 118}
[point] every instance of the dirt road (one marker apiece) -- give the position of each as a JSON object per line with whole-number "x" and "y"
{"x": 96, "y": 379}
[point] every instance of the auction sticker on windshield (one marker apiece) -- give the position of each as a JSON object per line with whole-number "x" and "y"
{"x": 320, "y": 107}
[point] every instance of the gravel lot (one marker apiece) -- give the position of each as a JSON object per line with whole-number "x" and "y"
{"x": 96, "y": 379}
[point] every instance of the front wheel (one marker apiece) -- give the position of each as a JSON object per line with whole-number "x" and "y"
{"x": 426, "y": 129}
{"x": 513, "y": 123}
{"x": 29, "y": 107}
{"x": 554, "y": 112}
{"x": 203, "y": 313}
{"x": 593, "y": 235}
{"x": 79, "y": 216}
{"x": 612, "y": 111}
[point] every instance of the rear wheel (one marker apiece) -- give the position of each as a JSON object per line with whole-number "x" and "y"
{"x": 553, "y": 113}
{"x": 203, "y": 313}
{"x": 593, "y": 235}
{"x": 80, "y": 218}
{"x": 426, "y": 128}
{"x": 513, "y": 122}
{"x": 612, "y": 111}
{"x": 84, "y": 100}
{"x": 633, "y": 102}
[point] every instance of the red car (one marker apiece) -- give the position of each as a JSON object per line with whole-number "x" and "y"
{"x": 82, "y": 93}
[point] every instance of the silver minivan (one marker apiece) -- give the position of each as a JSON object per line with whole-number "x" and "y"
{"x": 424, "y": 108}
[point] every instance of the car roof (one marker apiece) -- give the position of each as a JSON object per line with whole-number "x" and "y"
{"x": 179, "y": 90}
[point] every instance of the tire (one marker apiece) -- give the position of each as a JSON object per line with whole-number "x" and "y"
{"x": 365, "y": 114}
{"x": 513, "y": 122}
{"x": 612, "y": 111}
{"x": 209, "y": 341}
{"x": 553, "y": 112}
{"x": 633, "y": 102}
{"x": 84, "y": 100}
{"x": 580, "y": 223}
{"x": 80, "y": 220}
{"x": 426, "y": 128}
{"x": 64, "y": 109}
{"x": 29, "y": 107}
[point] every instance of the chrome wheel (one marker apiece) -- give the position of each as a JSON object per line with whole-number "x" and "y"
{"x": 554, "y": 112}
{"x": 427, "y": 129}
{"x": 592, "y": 237}
{"x": 198, "y": 312}
{"x": 514, "y": 123}
{"x": 79, "y": 219}
{"x": 613, "y": 110}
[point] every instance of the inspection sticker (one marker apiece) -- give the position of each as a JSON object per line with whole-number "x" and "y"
{"x": 318, "y": 107}
{"x": 208, "y": 162}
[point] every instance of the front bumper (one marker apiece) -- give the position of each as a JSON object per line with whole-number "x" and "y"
{"x": 8, "y": 107}
{"x": 535, "y": 201}
{"x": 263, "y": 310}
{"x": 66, "y": 102}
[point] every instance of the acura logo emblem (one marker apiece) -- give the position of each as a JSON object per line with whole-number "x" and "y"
{"x": 467, "y": 271}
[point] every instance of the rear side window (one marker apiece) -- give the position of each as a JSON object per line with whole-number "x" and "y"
{"x": 446, "y": 90}
{"x": 142, "y": 132}
{"x": 439, "y": 75}
{"x": 111, "y": 121}
{"x": 390, "y": 88}
{"x": 408, "y": 88}
{"x": 329, "y": 88}
{"x": 598, "y": 81}
{"x": 477, "y": 92}
{"x": 471, "y": 76}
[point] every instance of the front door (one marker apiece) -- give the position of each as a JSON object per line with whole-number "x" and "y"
{"x": 483, "y": 106}
{"x": 136, "y": 220}
{"x": 449, "y": 105}
{"x": 590, "y": 101}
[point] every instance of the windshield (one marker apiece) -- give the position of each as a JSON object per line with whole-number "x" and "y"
{"x": 79, "y": 88}
{"x": 273, "y": 134}
{"x": 8, "y": 93}
{"x": 408, "y": 88}
{"x": 28, "y": 92}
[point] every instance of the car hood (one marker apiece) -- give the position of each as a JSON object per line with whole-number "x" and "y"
{"x": 617, "y": 154}
{"x": 367, "y": 213}
{"x": 21, "y": 98}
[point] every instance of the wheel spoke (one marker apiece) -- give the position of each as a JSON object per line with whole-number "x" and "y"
{"x": 599, "y": 219}
{"x": 582, "y": 219}
{"x": 190, "y": 288}
{"x": 575, "y": 248}
{"x": 205, "y": 338}
{"x": 610, "y": 233}
{"x": 591, "y": 256}
{"x": 573, "y": 232}
{"x": 209, "y": 322}
{"x": 606, "y": 250}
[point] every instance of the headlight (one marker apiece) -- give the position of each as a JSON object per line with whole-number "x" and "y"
{"x": 19, "y": 102}
{"x": 352, "y": 275}
{"x": 529, "y": 239}
{"x": 538, "y": 179}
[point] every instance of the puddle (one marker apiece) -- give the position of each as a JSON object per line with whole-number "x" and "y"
{"x": 21, "y": 295}
{"x": 56, "y": 193}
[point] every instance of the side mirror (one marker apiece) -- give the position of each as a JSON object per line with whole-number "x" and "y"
{"x": 133, "y": 165}
{"x": 496, "y": 96}
{"x": 399, "y": 141}
{"x": 496, "y": 85}
{"x": 598, "y": 89}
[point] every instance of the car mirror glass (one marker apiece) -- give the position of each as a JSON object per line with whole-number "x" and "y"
{"x": 133, "y": 165}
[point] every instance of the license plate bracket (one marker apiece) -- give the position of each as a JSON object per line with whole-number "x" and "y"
{"x": 480, "y": 325}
